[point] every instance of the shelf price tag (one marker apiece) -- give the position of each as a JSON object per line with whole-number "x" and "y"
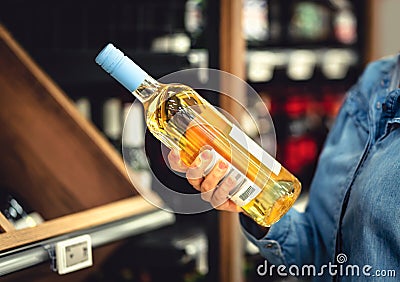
{"x": 73, "y": 254}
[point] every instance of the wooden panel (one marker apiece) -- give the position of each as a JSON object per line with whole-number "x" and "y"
{"x": 5, "y": 225}
{"x": 74, "y": 222}
{"x": 52, "y": 158}
{"x": 382, "y": 29}
{"x": 232, "y": 52}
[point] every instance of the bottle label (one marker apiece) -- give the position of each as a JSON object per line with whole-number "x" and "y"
{"x": 244, "y": 191}
{"x": 255, "y": 149}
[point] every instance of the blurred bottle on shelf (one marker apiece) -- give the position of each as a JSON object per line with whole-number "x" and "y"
{"x": 195, "y": 22}
{"x": 304, "y": 116}
{"x": 344, "y": 22}
{"x": 18, "y": 213}
{"x": 309, "y": 21}
{"x": 336, "y": 63}
{"x": 175, "y": 43}
{"x": 112, "y": 122}
{"x": 84, "y": 107}
{"x": 133, "y": 140}
{"x": 257, "y": 122}
{"x": 305, "y": 133}
{"x": 307, "y": 61}
{"x": 301, "y": 64}
{"x": 255, "y": 21}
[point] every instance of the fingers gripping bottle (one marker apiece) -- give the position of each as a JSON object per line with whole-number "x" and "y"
{"x": 181, "y": 119}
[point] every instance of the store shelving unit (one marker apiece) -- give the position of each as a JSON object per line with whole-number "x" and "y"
{"x": 311, "y": 53}
{"x": 59, "y": 163}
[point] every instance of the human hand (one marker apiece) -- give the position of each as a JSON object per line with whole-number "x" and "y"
{"x": 212, "y": 189}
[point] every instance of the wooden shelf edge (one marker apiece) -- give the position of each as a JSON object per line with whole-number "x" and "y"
{"x": 232, "y": 60}
{"x": 5, "y": 225}
{"x": 62, "y": 99}
{"x": 74, "y": 222}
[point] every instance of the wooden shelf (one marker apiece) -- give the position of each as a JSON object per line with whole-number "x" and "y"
{"x": 54, "y": 160}
{"x": 105, "y": 225}
{"x": 74, "y": 222}
{"x": 232, "y": 60}
{"x": 5, "y": 225}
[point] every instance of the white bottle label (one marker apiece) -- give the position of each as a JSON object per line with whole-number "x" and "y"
{"x": 255, "y": 150}
{"x": 244, "y": 191}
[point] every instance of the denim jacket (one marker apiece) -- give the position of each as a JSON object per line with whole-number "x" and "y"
{"x": 352, "y": 220}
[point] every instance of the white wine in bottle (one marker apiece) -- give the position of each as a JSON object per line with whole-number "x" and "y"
{"x": 181, "y": 119}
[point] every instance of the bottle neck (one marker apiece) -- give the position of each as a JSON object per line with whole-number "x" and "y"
{"x": 126, "y": 72}
{"x": 146, "y": 90}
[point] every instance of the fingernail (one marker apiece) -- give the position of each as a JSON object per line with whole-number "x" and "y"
{"x": 205, "y": 155}
{"x": 222, "y": 165}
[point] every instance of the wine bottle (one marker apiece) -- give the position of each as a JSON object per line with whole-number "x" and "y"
{"x": 133, "y": 144}
{"x": 19, "y": 214}
{"x": 181, "y": 119}
{"x": 112, "y": 122}
{"x": 83, "y": 106}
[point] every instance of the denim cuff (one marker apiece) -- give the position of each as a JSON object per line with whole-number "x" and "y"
{"x": 268, "y": 243}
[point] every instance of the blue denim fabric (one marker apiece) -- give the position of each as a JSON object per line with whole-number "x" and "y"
{"x": 354, "y": 201}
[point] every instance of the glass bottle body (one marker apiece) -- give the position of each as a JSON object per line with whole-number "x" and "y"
{"x": 183, "y": 120}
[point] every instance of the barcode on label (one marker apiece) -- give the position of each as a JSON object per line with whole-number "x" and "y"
{"x": 247, "y": 193}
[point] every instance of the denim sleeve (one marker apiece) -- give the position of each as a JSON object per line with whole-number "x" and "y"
{"x": 310, "y": 237}
{"x": 290, "y": 239}
{"x": 302, "y": 238}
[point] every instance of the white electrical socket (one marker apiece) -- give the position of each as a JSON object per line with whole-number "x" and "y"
{"x": 73, "y": 254}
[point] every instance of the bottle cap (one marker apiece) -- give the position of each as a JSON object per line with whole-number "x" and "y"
{"x": 119, "y": 66}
